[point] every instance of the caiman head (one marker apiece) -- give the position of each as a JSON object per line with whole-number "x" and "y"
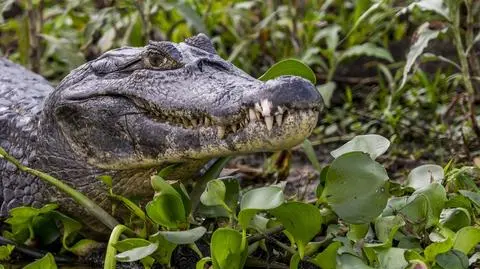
{"x": 169, "y": 102}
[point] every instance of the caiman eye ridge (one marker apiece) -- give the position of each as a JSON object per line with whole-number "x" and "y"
{"x": 263, "y": 113}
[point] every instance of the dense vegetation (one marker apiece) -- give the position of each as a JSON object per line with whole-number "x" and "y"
{"x": 405, "y": 70}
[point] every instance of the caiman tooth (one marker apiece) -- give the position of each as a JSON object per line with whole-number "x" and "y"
{"x": 251, "y": 114}
{"x": 280, "y": 109}
{"x": 258, "y": 107}
{"x": 245, "y": 122}
{"x": 269, "y": 122}
{"x": 266, "y": 107}
{"x": 258, "y": 115}
{"x": 279, "y": 119}
{"x": 220, "y": 132}
{"x": 194, "y": 122}
{"x": 234, "y": 128}
{"x": 207, "y": 121}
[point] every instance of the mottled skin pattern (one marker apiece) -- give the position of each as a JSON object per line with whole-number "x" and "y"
{"x": 135, "y": 110}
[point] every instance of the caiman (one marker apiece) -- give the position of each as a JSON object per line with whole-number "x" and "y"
{"x": 135, "y": 110}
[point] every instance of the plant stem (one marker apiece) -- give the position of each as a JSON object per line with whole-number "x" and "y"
{"x": 110, "y": 261}
{"x": 467, "y": 82}
{"x": 83, "y": 200}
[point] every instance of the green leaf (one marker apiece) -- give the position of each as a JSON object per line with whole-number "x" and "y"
{"x": 436, "y": 6}
{"x": 184, "y": 237}
{"x": 136, "y": 253}
{"x": 392, "y": 258}
{"x": 442, "y": 245}
{"x": 289, "y": 67}
{"x": 311, "y": 155}
{"x": 47, "y": 262}
{"x": 424, "y": 175}
{"x": 356, "y": 188}
{"x": 466, "y": 239}
{"x": 85, "y": 247}
{"x": 302, "y": 220}
{"x": 386, "y": 227}
{"x": 473, "y": 196}
{"x": 326, "y": 91}
{"x": 202, "y": 262}
{"x": 5, "y": 252}
{"x": 374, "y": 145}
{"x": 163, "y": 254}
{"x": 214, "y": 193}
{"x": 167, "y": 210}
{"x": 327, "y": 258}
{"x": 452, "y": 259}
{"x": 227, "y": 249}
{"x": 455, "y": 218}
{"x": 232, "y": 194}
{"x": 349, "y": 261}
{"x": 70, "y": 228}
{"x": 259, "y": 199}
{"x": 161, "y": 186}
{"x": 426, "y": 204}
{"x": 424, "y": 35}
{"x": 367, "y": 49}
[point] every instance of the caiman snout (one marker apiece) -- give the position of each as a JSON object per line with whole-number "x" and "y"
{"x": 292, "y": 92}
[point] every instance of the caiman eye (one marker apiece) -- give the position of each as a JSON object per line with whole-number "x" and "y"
{"x": 154, "y": 59}
{"x": 157, "y": 60}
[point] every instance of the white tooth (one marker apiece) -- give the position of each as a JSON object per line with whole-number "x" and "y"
{"x": 194, "y": 122}
{"x": 258, "y": 107}
{"x": 269, "y": 122}
{"x": 278, "y": 119}
{"x": 207, "y": 121}
{"x": 266, "y": 107}
{"x": 303, "y": 114}
{"x": 258, "y": 115}
{"x": 251, "y": 114}
{"x": 246, "y": 120}
{"x": 234, "y": 128}
{"x": 280, "y": 109}
{"x": 220, "y": 131}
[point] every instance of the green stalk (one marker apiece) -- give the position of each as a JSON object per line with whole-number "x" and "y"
{"x": 83, "y": 200}
{"x": 110, "y": 261}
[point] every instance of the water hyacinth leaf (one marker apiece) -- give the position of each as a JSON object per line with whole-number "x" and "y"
{"x": 455, "y": 218}
{"x": 5, "y": 252}
{"x": 167, "y": 210}
{"x": 434, "y": 196}
{"x": 466, "y": 239}
{"x": 137, "y": 253}
{"x": 374, "y": 145}
{"x": 386, "y": 227}
{"x": 356, "y": 188}
{"x": 357, "y": 231}
{"x": 259, "y": 199}
{"x": 424, "y": 175}
{"x": 232, "y": 194}
{"x": 70, "y": 228}
{"x": 327, "y": 258}
{"x": 302, "y": 220}
{"x": 85, "y": 247}
{"x": 161, "y": 186}
{"x": 46, "y": 262}
{"x": 184, "y": 237}
{"x": 163, "y": 254}
{"x": 289, "y": 67}
{"x": 473, "y": 196}
{"x": 440, "y": 245}
{"x": 214, "y": 193}
{"x": 392, "y": 258}
{"x": 349, "y": 261}
{"x": 227, "y": 249}
{"x": 453, "y": 259}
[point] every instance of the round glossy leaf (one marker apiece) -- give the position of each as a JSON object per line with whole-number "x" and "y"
{"x": 259, "y": 199}
{"x": 466, "y": 239}
{"x": 374, "y": 145}
{"x": 302, "y": 220}
{"x": 356, "y": 188}
{"x": 214, "y": 193}
{"x": 184, "y": 237}
{"x": 137, "y": 253}
{"x": 455, "y": 218}
{"x": 226, "y": 249}
{"x": 166, "y": 210}
{"x": 289, "y": 67}
{"x": 424, "y": 175}
{"x": 453, "y": 259}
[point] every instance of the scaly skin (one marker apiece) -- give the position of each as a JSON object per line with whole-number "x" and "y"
{"x": 135, "y": 110}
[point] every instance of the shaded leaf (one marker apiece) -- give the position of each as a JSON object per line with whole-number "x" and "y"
{"x": 292, "y": 67}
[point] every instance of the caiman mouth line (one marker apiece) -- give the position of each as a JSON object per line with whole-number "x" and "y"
{"x": 262, "y": 112}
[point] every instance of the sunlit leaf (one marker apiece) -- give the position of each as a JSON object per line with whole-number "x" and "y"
{"x": 374, "y": 145}
{"x": 184, "y": 237}
{"x": 227, "y": 249}
{"x": 466, "y": 239}
{"x": 259, "y": 199}
{"x": 367, "y": 49}
{"x": 47, "y": 262}
{"x": 289, "y": 67}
